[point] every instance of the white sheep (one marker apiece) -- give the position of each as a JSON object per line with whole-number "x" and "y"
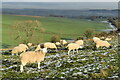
{"x": 108, "y": 39}
{"x": 29, "y": 44}
{"x": 73, "y": 46}
{"x": 50, "y": 45}
{"x": 101, "y": 43}
{"x": 102, "y": 38}
{"x": 80, "y": 42}
{"x": 63, "y": 42}
{"x": 24, "y": 45}
{"x": 95, "y": 39}
{"x": 32, "y": 57}
{"x": 18, "y": 49}
{"x": 58, "y": 43}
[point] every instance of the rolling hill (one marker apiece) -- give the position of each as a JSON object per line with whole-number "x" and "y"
{"x": 64, "y": 27}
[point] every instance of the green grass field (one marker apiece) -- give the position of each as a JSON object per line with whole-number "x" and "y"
{"x": 68, "y": 28}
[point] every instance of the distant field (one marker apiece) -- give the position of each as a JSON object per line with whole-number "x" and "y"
{"x": 68, "y": 28}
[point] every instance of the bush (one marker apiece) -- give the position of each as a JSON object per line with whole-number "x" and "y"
{"x": 55, "y": 38}
{"x": 26, "y": 31}
{"x": 112, "y": 33}
{"x": 97, "y": 35}
{"x": 88, "y": 33}
{"x": 103, "y": 34}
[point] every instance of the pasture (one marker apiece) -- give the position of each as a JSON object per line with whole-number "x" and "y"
{"x": 88, "y": 64}
{"x": 64, "y": 27}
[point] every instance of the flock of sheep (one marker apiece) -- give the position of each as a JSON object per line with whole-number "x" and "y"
{"x": 39, "y": 53}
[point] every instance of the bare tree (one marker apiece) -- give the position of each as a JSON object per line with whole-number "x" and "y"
{"x": 27, "y": 30}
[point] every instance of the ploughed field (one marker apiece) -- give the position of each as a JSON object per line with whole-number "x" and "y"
{"x": 88, "y": 63}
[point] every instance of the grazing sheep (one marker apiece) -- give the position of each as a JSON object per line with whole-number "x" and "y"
{"x": 95, "y": 39}
{"x": 57, "y": 43}
{"x": 50, "y": 45}
{"x": 32, "y": 57}
{"x": 102, "y": 38}
{"x": 29, "y": 44}
{"x": 73, "y": 46}
{"x": 63, "y": 42}
{"x": 18, "y": 49}
{"x": 108, "y": 39}
{"x": 80, "y": 42}
{"x": 23, "y": 45}
{"x": 101, "y": 43}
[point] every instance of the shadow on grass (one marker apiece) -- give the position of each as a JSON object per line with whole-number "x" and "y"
{"x": 7, "y": 52}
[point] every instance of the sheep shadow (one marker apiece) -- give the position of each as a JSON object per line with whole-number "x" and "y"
{"x": 6, "y": 52}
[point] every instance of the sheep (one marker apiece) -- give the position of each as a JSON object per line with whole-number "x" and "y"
{"x": 95, "y": 39}
{"x": 108, "y": 39}
{"x": 102, "y": 38}
{"x": 29, "y": 44}
{"x": 18, "y": 49}
{"x": 80, "y": 42}
{"x": 63, "y": 42}
{"x": 102, "y": 43}
{"x": 58, "y": 43}
{"x": 73, "y": 46}
{"x": 50, "y": 45}
{"x": 32, "y": 57}
{"x": 23, "y": 45}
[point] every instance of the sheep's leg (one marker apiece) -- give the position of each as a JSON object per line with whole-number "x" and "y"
{"x": 68, "y": 52}
{"x": 38, "y": 65}
{"x": 77, "y": 50}
{"x": 17, "y": 54}
{"x": 56, "y": 50}
{"x": 21, "y": 68}
{"x": 73, "y": 51}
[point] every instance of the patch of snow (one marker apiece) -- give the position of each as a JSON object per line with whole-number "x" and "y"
{"x": 112, "y": 59}
{"x": 105, "y": 53}
{"x": 58, "y": 64}
{"x": 8, "y": 67}
{"x": 62, "y": 72}
{"x": 84, "y": 59}
{"x": 114, "y": 77}
{"x": 78, "y": 73}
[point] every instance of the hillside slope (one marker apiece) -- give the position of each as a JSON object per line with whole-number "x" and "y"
{"x": 66, "y": 28}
